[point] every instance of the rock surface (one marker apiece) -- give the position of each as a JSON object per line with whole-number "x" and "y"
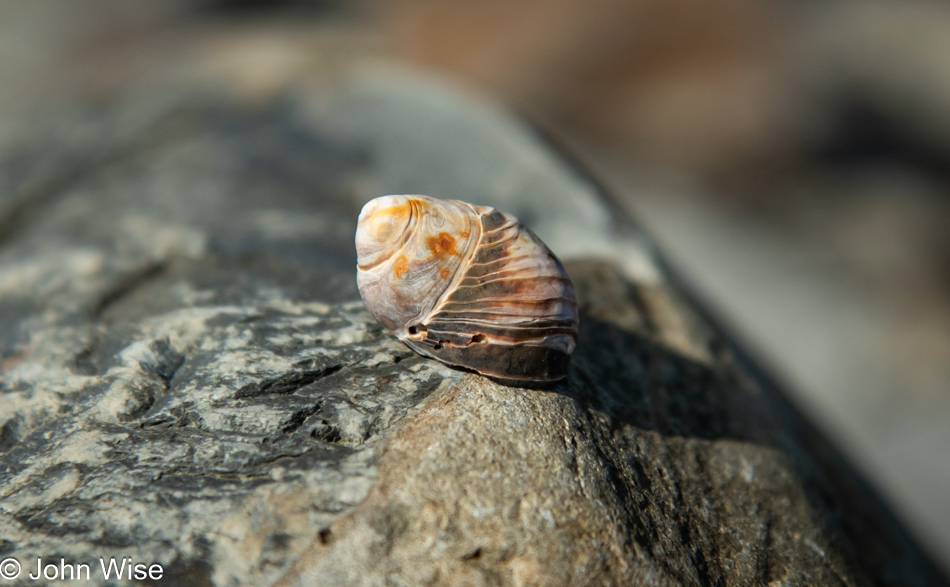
{"x": 189, "y": 378}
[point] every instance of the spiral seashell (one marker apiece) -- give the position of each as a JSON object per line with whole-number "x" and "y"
{"x": 467, "y": 285}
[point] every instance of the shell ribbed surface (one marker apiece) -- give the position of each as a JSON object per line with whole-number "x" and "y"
{"x": 506, "y": 308}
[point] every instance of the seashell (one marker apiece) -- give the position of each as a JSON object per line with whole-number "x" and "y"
{"x": 467, "y": 285}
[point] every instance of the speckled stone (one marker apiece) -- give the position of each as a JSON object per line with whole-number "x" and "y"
{"x": 189, "y": 378}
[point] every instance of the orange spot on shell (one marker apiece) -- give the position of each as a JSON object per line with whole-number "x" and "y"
{"x": 397, "y": 211}
{"x": 401, "y": 266}
{"x": 463, "y": 234}
{"x": 444, "y": 273}
{"x": 386, "y": 220}
{"x": 441, "y": 245}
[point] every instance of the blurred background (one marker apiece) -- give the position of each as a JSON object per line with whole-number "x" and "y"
{"x": 792, "y": 158}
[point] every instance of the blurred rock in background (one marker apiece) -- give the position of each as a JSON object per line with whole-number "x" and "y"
{"x": 694, "y": 85}
{"x": 792, "y": 158}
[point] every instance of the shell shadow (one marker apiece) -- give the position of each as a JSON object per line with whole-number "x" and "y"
{"x": 635, "y": 381}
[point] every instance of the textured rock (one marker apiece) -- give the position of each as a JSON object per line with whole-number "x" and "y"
{"x": 190, "y": 379}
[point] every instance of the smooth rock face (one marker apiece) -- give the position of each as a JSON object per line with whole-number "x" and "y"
{"x": 190, "y": 379}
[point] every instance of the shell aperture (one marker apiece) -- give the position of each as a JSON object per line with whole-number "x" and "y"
{"x": 467, "y": 285}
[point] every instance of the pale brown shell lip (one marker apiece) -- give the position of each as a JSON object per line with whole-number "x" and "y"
{"x": 469, "y": 286}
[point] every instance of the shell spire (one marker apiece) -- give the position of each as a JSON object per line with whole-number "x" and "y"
{"x": 467, "y": 285}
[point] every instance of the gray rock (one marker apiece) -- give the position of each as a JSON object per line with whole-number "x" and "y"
{"x": 189, "y": 378}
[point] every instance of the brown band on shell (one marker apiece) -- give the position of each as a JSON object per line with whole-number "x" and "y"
{"x": 505, "y": 288}
{"x": 535, "y": 329}
{"x": 493, "y": 220}
{"x": 508, "y": 307}
{"x": 509, "y": 363}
